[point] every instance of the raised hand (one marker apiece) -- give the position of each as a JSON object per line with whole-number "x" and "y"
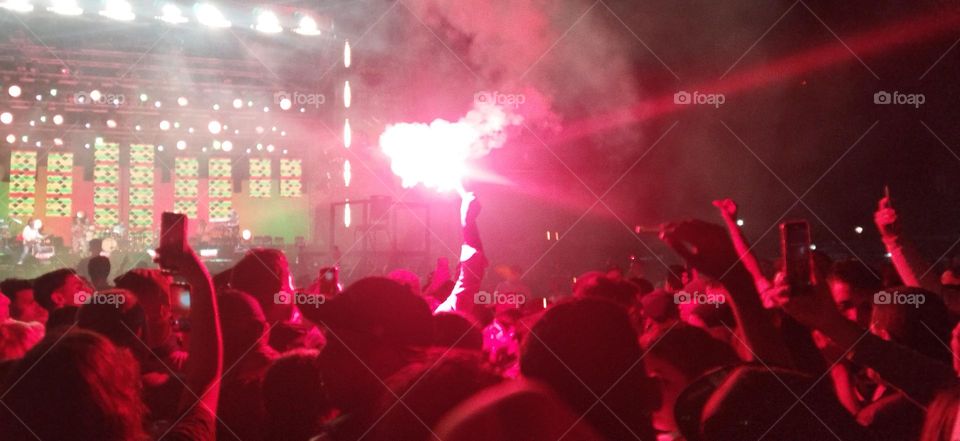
{"x": 704, "y": 245}
{"x": 886, "y": 219}
{"x": 727, "y": 207}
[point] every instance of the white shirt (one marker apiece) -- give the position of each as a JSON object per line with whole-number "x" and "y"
{"x": 30, "y": 234}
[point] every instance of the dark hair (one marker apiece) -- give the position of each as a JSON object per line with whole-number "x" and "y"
{"x": 123, "y": 322}
{"x": 74, "y": 386}
{"x": 599, "y": 285}
{"x": 856, "y": 274}
{"x": 942, "y": 416}
{"x": 452, "y": 330}
{"x": 922, "y": 327}
{"x": 430, "y": 388}
{"x": 10, "y": 287}
{"x": 45, "y": 285}
{"x": 99, "y": 268}
{"x": 293, "y": 396}
{"x": 587, "y": 348}
{"x": 689, "y": 349}
{"x": 242, "y": 322}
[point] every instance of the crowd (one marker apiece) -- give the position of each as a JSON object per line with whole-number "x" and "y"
{"x": 721, "y": 350}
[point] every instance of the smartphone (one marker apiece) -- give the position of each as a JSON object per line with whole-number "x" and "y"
{"x": 329, "y": 280}
{"x": 797, "y": 256}
{"x": 173, "y": 237}
{"x": 180, "y": 296}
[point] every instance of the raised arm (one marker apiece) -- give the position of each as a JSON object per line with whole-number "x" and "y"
{"x": 473, "y": 262}
{"x": 911, "y": 266}
{"x": 728, "y": 211}
{"x": 707, "y": 247}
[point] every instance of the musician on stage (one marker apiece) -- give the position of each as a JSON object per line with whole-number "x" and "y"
{"x": 31, "y": 239}
{"x": 81, "y": 232}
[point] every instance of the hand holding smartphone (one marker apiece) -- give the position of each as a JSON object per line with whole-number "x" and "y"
{"x": 173, "y": 239}
{"x": 797, "y": 256}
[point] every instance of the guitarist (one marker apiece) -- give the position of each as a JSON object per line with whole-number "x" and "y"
{"x": 32, "y": 238}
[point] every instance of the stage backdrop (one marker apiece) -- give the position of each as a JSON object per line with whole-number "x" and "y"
{"x": 129, "y": 189}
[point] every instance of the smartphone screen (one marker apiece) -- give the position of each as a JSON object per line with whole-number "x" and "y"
{"x": 173, "y": 236}
{"x": 797, "y": 256}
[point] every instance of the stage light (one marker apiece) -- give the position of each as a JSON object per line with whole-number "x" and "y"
{"x": 259, "y": 146}
{"x": 111, "y": 124}
{"x": 118, "y": 10}
{"x": 739, "y": 222}
{"x": 270, "y": 148}
{"x": 24, "y": 139}
{"x": 172, "y": 14}
{"x": 203, "y": 150}
{"x": 176, "y": 124}
{"x": 65, "y": 7}
{"x": 33, "y": 123}
{"x": 6, "y": 117}
{"x": 53, "y": 92}
{"x": 159, "y": 148}
{"x": 227, "y": 146}
{"x": 209, "y": 252}
{"x": 236, "y": 132}
{"x": 266, "y": 109}
{"x": 164, "y": 125}
{"x": 14, "y": 91}
{"x": 273, "y": 129}
{"x": 813, "y": 247}
{"x": 216, "y": 107}
{"x": 57, "y": 142}
{"x": 347, "y": 133}
{"x": 858, "y": 230}
{"x": 346, "y": 214}
{"x": 284, "y": 151}
{"x": 214, "y": 127}
{"x": 302, "y": 110}
{"x": 246, "y": 234}
{"x": 39, "y": 97}
{"x": 17, "y": 6}
{"x": 11, "y": 138}
{"x": 190, "y": 130}
{"x": 347, "y": 173}
{"x": 209, "y": 15}
{"x": 157, "y": 104}
{"x": 137, "y": 127}
{"x": 346, "y": 95}
{"x": 181, "y": 145}
{"x": 87, "y": 146}
{"x": 259, "y": 130}
{"x": 237, "y": 103}
{"x": 284, "y": 133}
{"x": 182, "y": 101}
{"x": 248, "y": 151}
{"x": 249, "y": 103}
{"x": 286, "y": 104}
{"x": 95, "y": 95}
{"x": 144, "y": 97}
{"x": 347, "y": 54}
{"x": 87, "y": 125}
{"x": 268, "y": 23}
{"x": 38, "y": 144}
{"x": 307, "y": 26}
{"x": 58, "y": 119}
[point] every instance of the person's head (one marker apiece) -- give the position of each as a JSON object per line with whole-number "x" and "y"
{"x": 16, "y": 338}
{"x": 430, "y": 387}
{"x": 372, "y": 327}
{"x": 152, "y": 289}
{"x": 913, "y": 317}
{"x": 587, "y": 348}
{"x": 601, "y": 285}
{"x": 262, "y": 273}
{"x": 59, "y": 288}
{"x": 452, "y": 330}
{"x": 294, "y": 396}
{"x": 242, "y": 322}
{"x": 99, "y": 269}
{"x": 23, "y": 306}
{"x": 117, "y": 315}
{"x": 36, "y": 224}
{"x": 676, "y": 357}
{"x": 758, "y": 402}
{"x": 941, "y": 420}
{"x": 95, "y": 246}
{"x": 852, "y": 285}
{"x": 73, "y": 387}
{"x": 406, "y": 278}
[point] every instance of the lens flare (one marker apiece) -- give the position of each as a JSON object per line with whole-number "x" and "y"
{"x": 437, "y": 155}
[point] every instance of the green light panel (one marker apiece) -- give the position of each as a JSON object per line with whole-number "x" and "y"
{"x": 23, "y": 183}
{"x": 186, "y": 172}
{"x": 260, "y": 177}
{"x": 106, "y": 184}
{"x": 291, "y": 174}
{"x": 219, "y": 187}
{"x": 140, "y": 193}
{"x": 59, "y": 184}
